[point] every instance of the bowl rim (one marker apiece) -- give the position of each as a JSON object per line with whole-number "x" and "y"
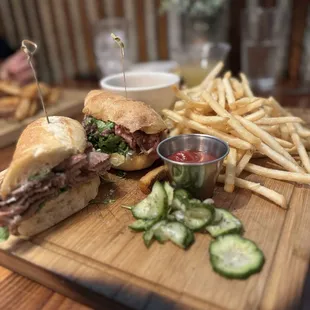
{"x": 175, "y": 79}
{"x": 165, "y": 159}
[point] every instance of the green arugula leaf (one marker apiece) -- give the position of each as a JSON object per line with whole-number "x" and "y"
{"x": 110, "y": 143}
{"x": 101, "y": 125}
{"x": 39, "y": 176}
{"x": 4, "y": 234}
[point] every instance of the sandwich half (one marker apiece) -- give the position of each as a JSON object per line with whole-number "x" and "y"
{"x": 53, "y": 174}
{"x": 129, "y": 130}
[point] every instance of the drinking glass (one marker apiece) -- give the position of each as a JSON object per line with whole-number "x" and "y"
{"x": 196, "y": 60}
{"x": 107, "y": 52}
{"x": 263, "y": 40}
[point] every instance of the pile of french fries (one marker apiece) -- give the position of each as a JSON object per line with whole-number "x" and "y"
{"x": 19, "y": 103}
{"x": 253, "y": 127}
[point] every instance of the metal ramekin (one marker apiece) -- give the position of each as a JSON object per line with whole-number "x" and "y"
{"x": 198, "y": 178}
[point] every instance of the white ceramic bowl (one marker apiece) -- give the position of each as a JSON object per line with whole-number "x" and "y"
{"x": 153, "y": 88}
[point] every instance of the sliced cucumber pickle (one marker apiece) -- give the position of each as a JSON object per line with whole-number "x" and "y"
{"x": 182, "y": 193}
{"x": 179, "y": 203}
{"x": 175, "y": 232}
{"x": 198, "y": 218}
{"x": 235, "y": 257}
{"x": 149, "y": 234}
{"x": 170, "y": 192}
{"x": 218, "y": 215}
{"x": 153, "y": 206}
{"x": 228, "y": 224}
{"x": 140, "y": 225}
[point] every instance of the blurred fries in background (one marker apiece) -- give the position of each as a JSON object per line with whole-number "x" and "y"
{"x": 18, "y": 103}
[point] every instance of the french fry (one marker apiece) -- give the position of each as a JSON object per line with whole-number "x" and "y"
{"x": 9, "y": 88}
{"x": 210, "y": 86}
{"x": 303, "y": 132}
{"x": 284, "y": 143}
{"x": 300, "y": 147}
{"x": 147, "y": 181}
{"x": 190, "y": 101}
{"x": 279, "y": 120}
{"x": 221, "y": 92}
{"x": 248, "y": 108}
{"x": 53, "y": 96}
{"x": 30, "y": 91}
{"x": 278, "y": 174}
{"x": 268, "y": 109}
{"x": 214, "y": 95}
{"x": 230, "y": 171}
{"x": 246, "y": 86}
{"x": 243, "y": 162}
{"x": 187, "y": 131}
{"x": 245, "y": 101}
{"x": 179, "y": 105}
{"x": 231, "y": 140}
{"x": 266, "y": 137}
{"x": 207, "y": 120}
{"x": 255, "y": 115}
{"x": 233, "y": 122}
{"x": 237, "y": 88}
{"x": 270, "y": 129}
{"x": 285, "y": 135}
{"x": 229, "y": 93}
{"x": 259, "y": 189}
{"x": 279, "y": 159}
{"x": 22, "y": 109}
{"x": 175, "y": 132}
{"x": 33, "y": 108}
{"x": 227, "y": 75}
{"x": 212, "y": 75}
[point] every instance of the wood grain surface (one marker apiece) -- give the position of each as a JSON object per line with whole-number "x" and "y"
{"x": 94, "y": 258}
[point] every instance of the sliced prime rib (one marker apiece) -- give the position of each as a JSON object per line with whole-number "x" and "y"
{"x": 25, "y": 200}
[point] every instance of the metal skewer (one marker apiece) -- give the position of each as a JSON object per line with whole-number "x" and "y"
{"x": 29, "y": 48}
{"x": 121, "y": 45}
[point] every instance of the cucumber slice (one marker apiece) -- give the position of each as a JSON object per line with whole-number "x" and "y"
{"x": 197, "y": 218}
{"x": 175, "y": 232}
{"x": 140, "y": 225}
{"x": 235, "y": 257}
{"x": 182, "y": 193}
{"x": 149, "y": 234}
{"x": 179, "y": 203}
{"x": 153, "y": 206}
{"x": 170, "y": 192}
{"x": 218, "y": 215}
{"x": 176, "y": 216}
{"x": 229, "y": 224}
{"x": 193, "y": 203}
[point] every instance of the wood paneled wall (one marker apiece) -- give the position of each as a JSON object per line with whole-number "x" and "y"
{"x": 63, "y": 30}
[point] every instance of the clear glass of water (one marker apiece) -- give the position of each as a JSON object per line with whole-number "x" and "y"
{"x": 263, "y": 43}
{"x": 107, "y": 52}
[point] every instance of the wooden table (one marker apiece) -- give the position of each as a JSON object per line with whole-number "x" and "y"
{"x": 18, "y": 292}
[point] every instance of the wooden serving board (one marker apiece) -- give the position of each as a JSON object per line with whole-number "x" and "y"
{"x": 70, "y": 103}
{"x": 94, "y": 258}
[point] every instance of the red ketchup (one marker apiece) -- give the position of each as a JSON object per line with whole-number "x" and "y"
{"x": 191, "y": 157}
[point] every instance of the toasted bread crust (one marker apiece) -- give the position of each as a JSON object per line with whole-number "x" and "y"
{"x": 134, "y": 115}
{"x": 43, "y": 145}
{"x": 60, "y": 208}
{"x": 137, "y": 162}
